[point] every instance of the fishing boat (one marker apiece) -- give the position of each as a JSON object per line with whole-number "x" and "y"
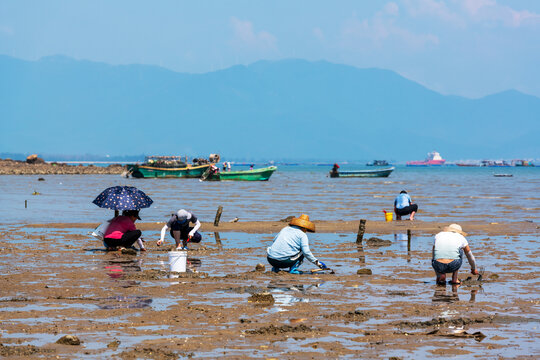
{"x": 262, "y": 174}
{"x": 363, "y": 173}
{"x": 519, "y": 162}
{"x": 495, "y": 163}
{"x": 171, "y": 167}
{"x": 433, "y": 159}
{"x": 378, "y": 163}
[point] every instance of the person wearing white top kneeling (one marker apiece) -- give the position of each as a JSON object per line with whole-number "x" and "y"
{"x": 448, "y": 249}
{"x": 180, "y": 229}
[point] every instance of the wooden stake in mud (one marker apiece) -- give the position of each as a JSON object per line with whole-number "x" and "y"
{"x": 361, "y": 230}
{"x": 218, "y": 215}
{"x": 25, "y": 204}
{"x": 409, "y": 236}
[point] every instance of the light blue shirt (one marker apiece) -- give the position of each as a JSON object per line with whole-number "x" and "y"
{"x": 290, "y": 241}
{"x": 402, "y": 200}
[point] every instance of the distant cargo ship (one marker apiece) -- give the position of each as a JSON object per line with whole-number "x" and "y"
{"x": 433, "y": 159}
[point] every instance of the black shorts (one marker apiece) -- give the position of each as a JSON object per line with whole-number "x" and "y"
{"x": 184, "y": 233}
{"x": 282, "y": 264}
{"x": 407, "y": 210}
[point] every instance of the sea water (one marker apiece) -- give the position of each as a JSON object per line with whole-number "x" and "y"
{"x": 447, "y": 193}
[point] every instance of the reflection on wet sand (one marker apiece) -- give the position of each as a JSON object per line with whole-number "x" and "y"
{"x": 442, "y": 295}
{"x": 401, "y": 238}
{"x": 117, "y": 269}
{"x": 218, "y": 240}
{"x": 281, "y": 291}
{"x": 361, "y": 254}
{"x": 124, "y": 302}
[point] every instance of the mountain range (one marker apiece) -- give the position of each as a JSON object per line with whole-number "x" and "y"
{"x": 288, "y": 109}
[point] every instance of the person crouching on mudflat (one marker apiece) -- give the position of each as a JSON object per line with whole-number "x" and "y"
{"x": 403, "y": 206}
{"x": 181, "y": 232}
{"x": 122, "y": 233}
{"x": 290, "y": 246}
{"x": 448, "y": 254}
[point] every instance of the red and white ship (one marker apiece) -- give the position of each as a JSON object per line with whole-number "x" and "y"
{"x": 433, "y": 159}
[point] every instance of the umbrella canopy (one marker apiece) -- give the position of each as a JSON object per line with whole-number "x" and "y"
{"x": 123, "y": 198}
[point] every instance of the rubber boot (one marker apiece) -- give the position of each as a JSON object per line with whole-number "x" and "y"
{"x": 275, "y": 269}
{"x": 294, "y": 268}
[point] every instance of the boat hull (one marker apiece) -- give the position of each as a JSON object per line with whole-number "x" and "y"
{"x": 426, "y": 163}
{"x": 366, "y": 173}
{"x": 262, "y": 174}
{"x": 143, "y": 171}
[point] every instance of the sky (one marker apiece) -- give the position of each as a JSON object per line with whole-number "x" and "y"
{"x": 470, "y": 48}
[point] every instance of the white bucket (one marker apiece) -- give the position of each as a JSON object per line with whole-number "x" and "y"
{"x": 177, "y": 261}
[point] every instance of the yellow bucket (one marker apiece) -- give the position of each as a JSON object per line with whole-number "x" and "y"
{"x": 389, "y": 216}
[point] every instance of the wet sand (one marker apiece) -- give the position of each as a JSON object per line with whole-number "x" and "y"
{"x": 381, "y": 227}
{"x": 58, "y": 281}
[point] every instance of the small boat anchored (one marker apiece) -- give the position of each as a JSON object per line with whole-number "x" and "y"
{"x": 262, "y": 174}
{"x": 335, "y": 173}
{"x": 378, "y": 163}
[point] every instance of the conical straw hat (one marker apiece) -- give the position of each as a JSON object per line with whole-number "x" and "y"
{"x": 303, "y": 221}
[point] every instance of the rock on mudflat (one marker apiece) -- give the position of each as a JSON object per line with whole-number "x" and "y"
{"x": 260, "y": 267}
{"x": 129, "y": 251}
{"x": 262, "y": 298}
{"x": 69, "y": 340}
{"x": 364, "y": 272}
{"x": 114, "y": 344}
{"x": 375, "y": 241}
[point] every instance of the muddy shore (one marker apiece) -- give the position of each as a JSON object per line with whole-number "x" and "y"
{"x": 58, "y": 281}
{"x": 14, "y": 167}
{"x": 380, "y": 227}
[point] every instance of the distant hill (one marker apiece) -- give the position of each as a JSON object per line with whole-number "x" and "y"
{"x": 285, "y": 109}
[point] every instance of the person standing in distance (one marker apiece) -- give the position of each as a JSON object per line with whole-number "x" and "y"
{"x": 180, "y": 229}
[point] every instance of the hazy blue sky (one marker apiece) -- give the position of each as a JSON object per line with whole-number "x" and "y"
{"x": 463, "y": 47}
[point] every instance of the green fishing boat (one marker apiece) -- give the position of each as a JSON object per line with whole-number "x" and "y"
{"x": 170, "y": 167}
{"x": 362, "y": 173}
{"x": 262, "y": 174}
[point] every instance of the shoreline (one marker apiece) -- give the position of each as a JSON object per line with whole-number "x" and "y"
{"x": 16, "y": 167}
{"x": 377, "y": 227}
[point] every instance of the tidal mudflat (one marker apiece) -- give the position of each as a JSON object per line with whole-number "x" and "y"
{"x": 58, "y": 281}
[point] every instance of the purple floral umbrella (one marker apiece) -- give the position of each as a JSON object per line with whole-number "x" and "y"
{"x": 123, "y": 198}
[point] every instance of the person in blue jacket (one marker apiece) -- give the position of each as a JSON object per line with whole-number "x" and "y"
{"x": 291, "y": 245}
{"x": 403, "y": 206}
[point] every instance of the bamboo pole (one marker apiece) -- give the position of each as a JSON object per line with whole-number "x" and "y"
{"x": 218, "y": 215}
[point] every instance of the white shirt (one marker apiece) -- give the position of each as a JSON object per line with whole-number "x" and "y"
{"x": 448, "y": 244}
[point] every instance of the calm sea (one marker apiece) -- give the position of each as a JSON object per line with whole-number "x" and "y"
{"x": 442, "y": 193}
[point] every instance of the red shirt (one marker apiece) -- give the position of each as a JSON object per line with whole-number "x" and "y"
{"x": 118, "y": 226}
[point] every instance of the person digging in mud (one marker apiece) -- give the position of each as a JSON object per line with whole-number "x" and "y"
{"x": 290, "y": 246}
{"x": 180, "y": 230}
{"x": 403, "y": 206}
{"x": 448, "y": 249}
{"x": 122, "y": 233}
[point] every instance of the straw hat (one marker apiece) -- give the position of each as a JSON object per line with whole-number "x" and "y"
{"x": 455, "y": 228}
{"x": 303, "y": 221}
